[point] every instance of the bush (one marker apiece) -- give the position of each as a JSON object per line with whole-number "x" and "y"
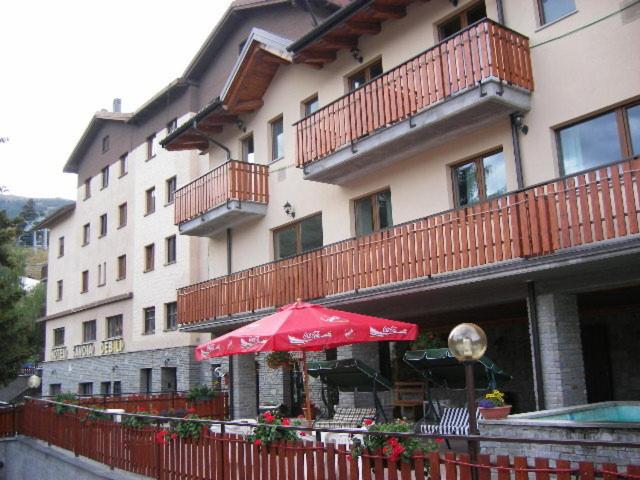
{"x": 139, "y": 420}
{"x": 201, "y": 393}
{"x": 267, "y": 430}
{"x": 67, "y": 398}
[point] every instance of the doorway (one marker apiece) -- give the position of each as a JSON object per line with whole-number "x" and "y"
{"x": 168, "y": 379}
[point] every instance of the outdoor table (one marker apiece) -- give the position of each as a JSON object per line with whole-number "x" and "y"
{"x": 236, "y": 429}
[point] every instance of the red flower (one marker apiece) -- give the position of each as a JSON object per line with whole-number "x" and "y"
{"x": 439, "y": 440}
{"x": 174, "y": 436}
{"x": 349, "y": 458}
{"x": 303, "y": 434}
{"x": 285, "y": 422}
{"x": 161, "y": 437}
{"x": 367, "y": 421}
{"x": 191, "y": 410}
{"x": 257, "y": 442}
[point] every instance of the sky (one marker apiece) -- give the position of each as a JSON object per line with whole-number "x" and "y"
{"x": 61, "y": 61}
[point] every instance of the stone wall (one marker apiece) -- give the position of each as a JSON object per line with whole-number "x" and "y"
{"x": 124, "y": 367}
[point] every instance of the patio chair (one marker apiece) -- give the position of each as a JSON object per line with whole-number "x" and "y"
{"x": 454, "y": 421}
{"x": 346, "y": 418}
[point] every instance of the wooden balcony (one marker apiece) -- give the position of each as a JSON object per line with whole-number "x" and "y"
{"x": 471, "y": 79}
{"x": 581, "y": 209}
{"x": 233, "y": 193}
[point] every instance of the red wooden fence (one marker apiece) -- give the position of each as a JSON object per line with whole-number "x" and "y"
{"x": 217, "y": 408}
{"x": 588, "y": 207}
{"x": 233, "y": 180}
{"x": 230, "y": 457}
{"x": 481, "y": 51}
{"x": 10, "y": 420}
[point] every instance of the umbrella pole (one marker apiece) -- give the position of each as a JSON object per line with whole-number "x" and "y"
{"x": 307, "y": 392}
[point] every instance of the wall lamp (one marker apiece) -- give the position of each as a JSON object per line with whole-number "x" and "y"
{"x": 355, "y": 53}
{"x": 518, "y": 121}
{"x": 289, "y": 210}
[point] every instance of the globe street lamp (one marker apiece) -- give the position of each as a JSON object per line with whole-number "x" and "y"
{"x": 468, "y": 342}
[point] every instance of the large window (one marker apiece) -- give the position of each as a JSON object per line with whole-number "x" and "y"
{"x": 149, "y": 320}
{"x": 171, "y": 315}
{"x": 122, "y": 215}
{"x": 89, "y": 331}
{"x": 462, "y": 20}
{"x": 171, "y": 184}
{"x": 373, "y": 212}
{"x": 114, "y": 326}
{"x": 149, "y": 257}
{"x": 364, "y": 75}
{"x": 480, "y": 178}
{"x": 150, "y": 200}
{"x": 122, "y": 267}
{"x": 58, "y": 337}
{"x": 248, "y": 150}
{"x": 170, "y": 244}
{"x": 85, "y": 388}
{"x": 310, "y": 105}
{"x": 277, "y": 138}
{"x": 151, "y": 146}
{"x": 298, "y": 237}
{"x": 552, "y": 10}
{"x": 600, "y": 140}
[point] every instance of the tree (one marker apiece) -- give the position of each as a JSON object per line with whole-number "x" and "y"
{"x": 29, "y": 211}
{"x": 17, "y": 309}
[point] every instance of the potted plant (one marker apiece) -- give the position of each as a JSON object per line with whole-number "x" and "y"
{"x": 277, "y": 360}
{"x": 493, "y": 407}
{"x": 267, "y": 430}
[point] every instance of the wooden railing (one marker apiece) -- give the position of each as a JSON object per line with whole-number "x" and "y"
{"x": 10, "y": 420}
{"x": 481, "y": 51}
{"x": 226, "y": 456}
{"x": 233, "y": 180}
{"x": 580, "y": 209}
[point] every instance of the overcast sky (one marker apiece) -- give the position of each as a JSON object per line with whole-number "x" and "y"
{"x": 61, "y": 61}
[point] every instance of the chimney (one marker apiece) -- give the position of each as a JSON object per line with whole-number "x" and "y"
{"x": 117, "y": 105}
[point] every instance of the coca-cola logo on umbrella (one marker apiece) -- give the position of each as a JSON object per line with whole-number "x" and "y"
{"x": 308, "y": 337}
{"x": 386, "y": 331}
{"x": 251, "y": 342}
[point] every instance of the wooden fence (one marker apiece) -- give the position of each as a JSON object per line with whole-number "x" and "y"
{"x": 481, "y": 51}
{"x": 10, "y": 420}
{"x": 580, "y": 209}
{"x": 217, "y": 407}
{"x": 231, "y": 457}
{"x": 233, "y": 180}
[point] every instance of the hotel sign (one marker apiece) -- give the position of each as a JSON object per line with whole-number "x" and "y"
{"x": 115, "y": 345}
{"x": 59, "y": 353}
{"x": 84, "y": 350}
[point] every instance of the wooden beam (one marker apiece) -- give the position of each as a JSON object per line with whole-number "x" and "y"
{"x": 218, "y": 118}
{"x": 340, "y": 41}
{"x": 210, "y": 129}
{"x": 246, "y": 106}
{"x": 361, "y": 28}
{"x": 316, "y": 56}
{"x": 388, "y": 11}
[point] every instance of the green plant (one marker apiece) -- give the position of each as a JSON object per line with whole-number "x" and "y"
{"x": 277, "y": 360}
{"x": 68, "y": 398}
{"x": 392, "y": 448}
{"x": 139, "y": 420}
{"x": 426, "y": 340}
{"x": 201, "y": 393}
{"x": 96, "y": 414}
{"x": 268, "y": 429}
{"x": 492, "y": 399}
{"x": 187, "y": 429}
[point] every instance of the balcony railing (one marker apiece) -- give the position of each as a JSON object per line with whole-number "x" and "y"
{"x": 588, "y": 207}
{"x": 233, "y": 180}
{"x": 483, "y": 50}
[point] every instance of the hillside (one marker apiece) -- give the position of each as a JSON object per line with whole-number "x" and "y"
{"x": 13, "y": 204}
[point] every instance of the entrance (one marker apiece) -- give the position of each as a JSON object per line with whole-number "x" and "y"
{"x": 169, "y": 379}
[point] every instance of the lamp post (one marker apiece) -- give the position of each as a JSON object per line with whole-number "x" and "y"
{"x": 468, "y": 342}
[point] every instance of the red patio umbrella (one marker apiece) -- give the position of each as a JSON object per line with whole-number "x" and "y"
{"x": 306, "y": 327}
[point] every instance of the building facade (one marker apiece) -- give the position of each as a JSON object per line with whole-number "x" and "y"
{"x": 435, "y": 162}
{"x": 116, "y": 258}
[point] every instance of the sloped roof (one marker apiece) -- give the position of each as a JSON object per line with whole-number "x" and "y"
{"x": 57, "y": 216}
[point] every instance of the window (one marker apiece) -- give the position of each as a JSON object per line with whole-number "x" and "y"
{"x": 117, "y": 388}
{"x": 105, "y": 177}
{"x": 150, "y": 206}
{"x": 114, "y": 326}
{"x": 87, "y": 188}
{"x": 102, "y": 274}
{"x": 248, "y": 151}
{"x": 170, "y": 244}
{"x": 85, "y": 388}
{"x": 122, "y": 215}
{"x": 365, "y": 74}
{"x": 151, "y": 146}
{"x": 298, "y": 237}
{"x": 124, "y": 167}
{"x": 146, "y": 380}
{"x": 122, "y": 267}
{"x": 86, "y": 234}
{"x": 105, "y": 388}
{"x": 373, "y": 212}
{"x": 277, "y": 138}
{"x": 85, "y": 282}
{"x": 150, "y": 320}
{"x": 171, "y": 189}
{"x": 172, "y": 125}
{"x": 149, "y": 257}
{"x": 552, "y": 10}
{"x": 59, "y": 293}
{"x": 480, "y": 178}
{"x": 103, "y": 225}
{"x": 89, "y": 331}
{"x": 58, "y": 337}
{"x": 171, "y": 315}
{"x": 311, "y": 105}
{"x": 600, "y": 140}
{"x": 60, "y": 247}
{"x": 55, "y": 389}
{"x": 461, "y": 21}
{"x": 105, "y": 144}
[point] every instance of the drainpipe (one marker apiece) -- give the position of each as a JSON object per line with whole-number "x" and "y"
{"x": 194, "y": 125}
{"x": 534, "y": 335}
{"x": 515, "y": 137}
{"x": 500, "y": 12}
{"x": 228, "y": 251}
